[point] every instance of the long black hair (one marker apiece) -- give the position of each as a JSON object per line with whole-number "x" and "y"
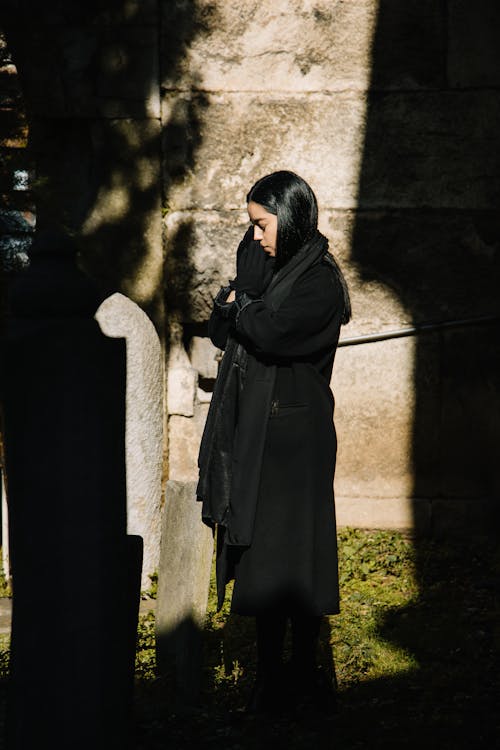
{"x": 292, "y": 200}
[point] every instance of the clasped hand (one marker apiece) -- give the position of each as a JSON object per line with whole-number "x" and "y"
{"x": 254, "y": 267}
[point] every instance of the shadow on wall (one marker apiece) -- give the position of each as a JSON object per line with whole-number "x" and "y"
{"x": 90, "y": 79}
{"x": 428, "y": 228}
{"x": 99, "y": 123}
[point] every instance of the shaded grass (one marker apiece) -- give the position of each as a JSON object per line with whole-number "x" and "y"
{"x": 415, "y": 653}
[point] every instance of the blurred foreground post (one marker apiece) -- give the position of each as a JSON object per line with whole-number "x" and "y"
{"x": 76, "y": 576}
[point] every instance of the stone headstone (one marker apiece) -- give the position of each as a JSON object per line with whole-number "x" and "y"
{"x": 119, "y": 317}
{"x": 183, "y": 587}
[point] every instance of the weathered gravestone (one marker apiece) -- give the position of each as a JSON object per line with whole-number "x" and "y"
{"x": 186, "y": 543}
{"x": 119, "y": 317}
{"x": 183, "y": 584}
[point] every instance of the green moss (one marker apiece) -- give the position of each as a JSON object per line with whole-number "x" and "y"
{"x": 5, "y": 587}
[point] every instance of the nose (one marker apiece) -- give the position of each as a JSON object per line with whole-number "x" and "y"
{"x": 257, "y": 233}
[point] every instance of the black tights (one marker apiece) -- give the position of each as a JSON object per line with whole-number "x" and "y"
{"x": 270, "y": 637}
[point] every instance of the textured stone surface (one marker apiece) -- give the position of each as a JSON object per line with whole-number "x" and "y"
{"x": 429, "y": 149}
{"x": 120, "y": 317}
{"x": 183, "y": 583}
{"x": 389, "y": 109}
{"x": 437, "y": 265}
{"x": 374, "y": 399}
{"x": 427, "y": 433}
{"x": 409, "y": 150}
{"x": 200, "y": 251}
{"x": 300, "y": 46}
{"x": 234, "y": 146}
{"x": 122, "y": 244}
{"x": 182, "y": 378}
{"x": 255, "y": 46}
{"x": 383, "y": 513}
{"x": 184, "y": 442}
{"x": 185, "y": 558}
{"x": 402, "y": 267}
{"x": 204, "y": 356}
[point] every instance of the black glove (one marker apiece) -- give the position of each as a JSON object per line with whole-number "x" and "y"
{"x": 254, "y": 267}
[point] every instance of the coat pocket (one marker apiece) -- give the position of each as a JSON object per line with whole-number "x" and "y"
{"x": 280, "y": 409}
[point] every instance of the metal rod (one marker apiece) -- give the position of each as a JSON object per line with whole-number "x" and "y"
{"x": 419, "y": 328}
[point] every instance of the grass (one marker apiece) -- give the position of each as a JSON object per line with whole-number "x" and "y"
{"x": 414, "y": 650}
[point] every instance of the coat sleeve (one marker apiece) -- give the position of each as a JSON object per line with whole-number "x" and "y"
{"x": 307, "y": 321}
{"x": 222, "y": 318}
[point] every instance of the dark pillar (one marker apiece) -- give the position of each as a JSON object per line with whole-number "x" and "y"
{"x": 63, "y": 397}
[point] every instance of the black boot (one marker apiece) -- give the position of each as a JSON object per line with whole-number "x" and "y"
{"x": 268, "y": 692}
{"x": 311, "y": 688}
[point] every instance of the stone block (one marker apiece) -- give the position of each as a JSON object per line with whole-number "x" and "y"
{"x": 182, "y": 379}
{"x": 232, "y": 148}
{"x": 417, "y": 267}
{"x": 201, "y": 252}
{"x": 431, "y": 150}
{"x": 400, "y": 513}
{"x": 183, "y": 585}
{"x": 376, "y": 304}
{"x": 184, "y": 436}
{"x": 409, "y": 45}
{"x": 473, "y": 50}
{"x": 405, "y": 150}
{"x": 470, "y": 431}
{"x": 204, "y": 397}
{"x": 181, "y": 390}
{"x": 200, "y": 257}
{"x": 374, "y": 395}
{"x": 204, "y": 357}
{"x": 119, "y": 317}
{"x": 426, "y": 434}
{"x": 301, "y": 47}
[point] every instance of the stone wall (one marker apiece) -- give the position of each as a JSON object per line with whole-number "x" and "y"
{"x": 390, "y": 110}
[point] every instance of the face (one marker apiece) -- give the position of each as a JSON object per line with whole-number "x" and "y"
{"x": 265, "y": 227}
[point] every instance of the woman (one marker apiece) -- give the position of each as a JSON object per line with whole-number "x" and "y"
{"x": 267, "y": 456}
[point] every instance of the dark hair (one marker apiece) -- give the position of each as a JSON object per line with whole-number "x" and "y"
{"x": 290, "y": 198}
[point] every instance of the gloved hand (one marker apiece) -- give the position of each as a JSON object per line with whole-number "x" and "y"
{"x": 254, "y": 267}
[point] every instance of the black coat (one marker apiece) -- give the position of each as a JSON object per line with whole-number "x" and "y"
{"x": 273, "y": 500}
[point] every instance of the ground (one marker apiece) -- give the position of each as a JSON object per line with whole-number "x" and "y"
{"x": 415, "y": 650}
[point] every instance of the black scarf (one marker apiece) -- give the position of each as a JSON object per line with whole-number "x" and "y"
{"x": 228, "y": 485}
